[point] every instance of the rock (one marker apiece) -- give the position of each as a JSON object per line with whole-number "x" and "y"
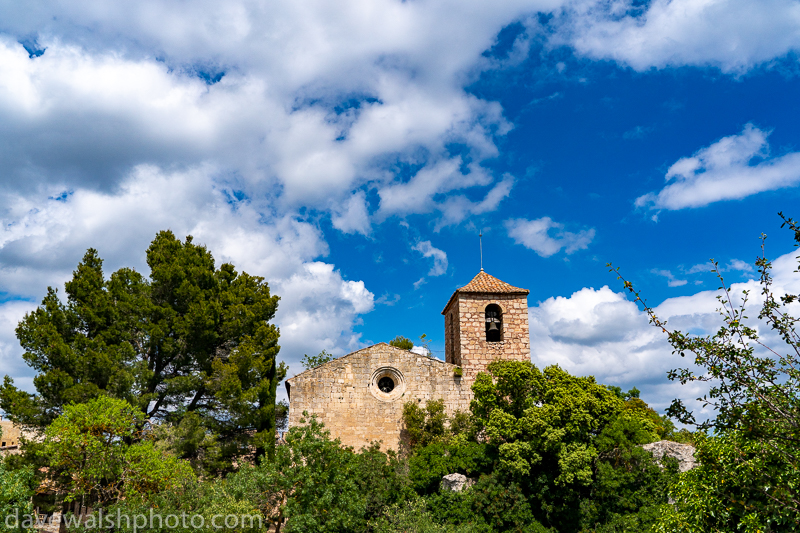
{"x": 456, "y": 482}
{"x": 684, "y": 453}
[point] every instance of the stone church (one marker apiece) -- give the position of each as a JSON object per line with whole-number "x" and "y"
{"x": 360, "y": 396}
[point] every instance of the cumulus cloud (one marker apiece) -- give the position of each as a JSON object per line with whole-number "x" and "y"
{"x": 317, "y": 309}
{"x": 298, "y": 101}
{"x": 418, "y": 194}
{"x": 732, "y": 168}
{"x": 547, "y": 237}
{"x": 600, "y": 332}
{"x": 439, "y": 257}
{"x": 458, "y": 207}
{"x": 353, "y": 215}
{"x": 231, "y": 121}
{"x": 10, "y": 351}
{"x": 732, "y": 35}
{"x": 42, "y": 241}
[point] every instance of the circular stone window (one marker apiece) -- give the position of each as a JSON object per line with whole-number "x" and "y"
{"x": 387, "y": 384}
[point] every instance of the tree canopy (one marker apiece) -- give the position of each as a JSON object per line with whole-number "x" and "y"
{"x": 190, "y": 340}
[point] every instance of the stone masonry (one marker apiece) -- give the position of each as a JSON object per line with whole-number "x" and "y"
{"x": 346, "y": 393}
{"x": 345, "y": 397}
{"x": 9, "y": 440}
{"x": 466, "y": 344}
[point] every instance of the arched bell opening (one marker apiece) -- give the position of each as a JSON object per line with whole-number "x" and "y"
{"x": 494, "y": 323}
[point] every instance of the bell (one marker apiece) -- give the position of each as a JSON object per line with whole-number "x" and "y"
{"x": 492, "y": 326}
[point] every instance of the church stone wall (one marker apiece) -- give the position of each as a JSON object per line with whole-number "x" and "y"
{"x": 452, "y": 334}
{"x": 9, "y": 440}
{"x": 344, "y": 396}
{"x": 11, "y": 434}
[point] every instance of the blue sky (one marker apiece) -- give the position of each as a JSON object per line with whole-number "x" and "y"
{"x": 352, "y": 153}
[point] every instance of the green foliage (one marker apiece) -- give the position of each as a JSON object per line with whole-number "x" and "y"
{"x": 717, "y": 494}
{"x": 629, "y": 488}
{"x": 430, "y": 463}
{"x": 569, "y": 444}
{"x": 425, "y": 342}
{"x": 313, "y": 484}
{"x": 91, "y": 456}
{"x": 430, "y": 424}
{"x": 413, "y": 517}
{"x": 402, "y": 343}
{"x": 662, "y": 426}
{"x": 492, "y": 504}
{"x": 632, "y": 393}
{"x": 754, "y": 392}
{"x": 548, "y": 416}
{"x": 186, "y": 501}
{"x": 16, "y": 490}
{"x": 318, "y": 484}
{"x": 313, "y": 361}
{"x": 425, "y": 425}
{"x": 190, "y": 338}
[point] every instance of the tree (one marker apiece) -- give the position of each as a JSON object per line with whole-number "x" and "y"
{"x": 412, "y": 517}
{"x": 718, "y": 493}
{"x": 753, "y": 391}
{"x": 16, "y": 490}
{"x": 402, "y": 343}
{"x": 94, "y": 456}
{"x": 313, "y": 361}
{"x": 310, "y": 483}
{"x": 190, "y": 338}
{"x": 423, "y": 426}
{"x": 566, "y": 441}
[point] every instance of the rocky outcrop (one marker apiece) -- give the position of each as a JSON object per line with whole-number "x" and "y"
{"x": 456, "y": 482}
{"x": 684, "y": 453}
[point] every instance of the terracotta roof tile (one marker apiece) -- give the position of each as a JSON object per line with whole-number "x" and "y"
{"x": 485, "y": 283}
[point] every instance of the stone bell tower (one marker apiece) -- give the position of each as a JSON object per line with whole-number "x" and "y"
{"x": 486, "y": 320}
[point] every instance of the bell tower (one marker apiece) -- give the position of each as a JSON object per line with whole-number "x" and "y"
{"x": 486, "y": 320}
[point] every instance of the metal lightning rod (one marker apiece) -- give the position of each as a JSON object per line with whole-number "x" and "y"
{"x": 480, "y": 240}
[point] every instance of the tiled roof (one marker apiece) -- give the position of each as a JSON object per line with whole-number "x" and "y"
{"x": 485, "y": 283}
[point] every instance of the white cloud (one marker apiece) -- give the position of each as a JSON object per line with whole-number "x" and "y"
{"x": 701, "y": 267}
{"x": 600, "y": 332}
{"x": 112, "y": 135}
{"x": 732, "y": 168}
{"x": 457, "y": 208}
{"x": 11, "y": 361}
{"x": 318, "y": 309}
{"x": 738, "y": 264}
{"x": 732, "y": 35}
{"x": 314, "y": 102}
{"x": 439, "y": 257}
{"x": 546, "y": 237}
{"x": 672, "y": 281}
{"x": 352, "y": 216}
{"x": 418, "y": 194}
{"x": 638, "y": 132}
{"x": 43, "y": 239}
{"x": 420, "y": 350}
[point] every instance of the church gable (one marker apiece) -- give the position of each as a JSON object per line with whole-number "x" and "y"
{"x": 360, "y": 396}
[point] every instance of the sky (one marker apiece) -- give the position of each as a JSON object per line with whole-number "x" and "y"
{"x": 351, "y": 152}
